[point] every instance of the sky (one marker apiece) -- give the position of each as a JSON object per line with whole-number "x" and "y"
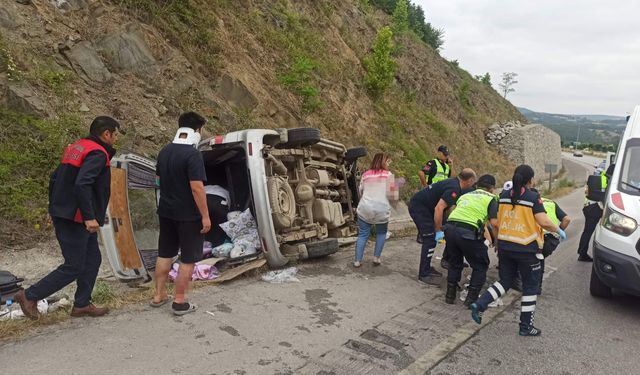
{"x": 572, "y": 57}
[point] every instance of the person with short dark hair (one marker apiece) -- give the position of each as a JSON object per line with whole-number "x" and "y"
{"x": 377, "y": 187}
{"x": 521, "y": 219}
{"x": 426, "y": 208}
{"x": 182, "y": 211}
{"x": 437, "y": 169}
{"x": 79, "y": 191}
{"x": 464, "y": 234}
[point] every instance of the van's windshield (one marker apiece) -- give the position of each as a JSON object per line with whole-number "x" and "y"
{"x": 630, "y": 173}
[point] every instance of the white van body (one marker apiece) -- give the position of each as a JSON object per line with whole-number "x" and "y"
{"x": 300, "y": 188}
{"x": 616, "y": 245}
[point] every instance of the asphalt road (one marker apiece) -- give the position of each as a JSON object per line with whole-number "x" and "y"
{"x": 581, "y": 334}
{"x": 339, "y": 320}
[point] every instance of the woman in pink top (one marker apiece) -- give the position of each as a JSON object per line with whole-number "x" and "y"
{"x": 377, "y": 187}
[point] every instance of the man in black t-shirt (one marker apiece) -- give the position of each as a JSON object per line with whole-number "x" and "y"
{"x": 426, "y": 208}
{"x": 182, "y": 211}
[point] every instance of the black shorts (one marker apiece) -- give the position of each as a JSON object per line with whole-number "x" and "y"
{"x": 180, "y": 235}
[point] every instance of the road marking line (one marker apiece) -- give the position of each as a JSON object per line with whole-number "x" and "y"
{"x": 431, "y": 358}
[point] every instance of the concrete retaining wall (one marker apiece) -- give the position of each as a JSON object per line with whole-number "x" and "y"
{"x": 534, "y": 145}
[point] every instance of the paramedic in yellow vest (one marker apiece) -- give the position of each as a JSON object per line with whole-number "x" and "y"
{"x": 437, "y": 169}
{"x": 464, "y": 233}
{"x": 521, "y": 220}
{"x": 592, "y": 212}
{"x": 552, "y": 240}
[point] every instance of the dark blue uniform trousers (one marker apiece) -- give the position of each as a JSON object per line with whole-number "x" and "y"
{"x": 81, "y": 263}
{"x": 463, "y": 244}
{"x": 529, "y": 268}
{"x": 426, "y": 236}
{"x": 592, "y": 214}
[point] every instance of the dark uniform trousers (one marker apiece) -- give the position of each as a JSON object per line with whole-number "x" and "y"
{"x": 463, "y": 243}
{"x": 426, "y": 236}
{"x": 81, "y": 263}
{"x": 592, "y": 214}
{"x": 551, "y": 242}
{"x": 529, "y": 268}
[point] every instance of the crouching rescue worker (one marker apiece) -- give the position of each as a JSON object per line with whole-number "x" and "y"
{"x": 551, "y": 240}
{"x": 521, "y": 218}
{"x": 79, "y": 192}
{"x": 426, "y": 208}
{"x": 464, "y": 233}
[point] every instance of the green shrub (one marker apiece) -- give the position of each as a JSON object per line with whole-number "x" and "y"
{"x": 401, "y": 17}
{"x": 380, "y": 65}
{"x": 30, "y": 150}
{"x": 463, "y": 95}
{"x": 299, "y": 79}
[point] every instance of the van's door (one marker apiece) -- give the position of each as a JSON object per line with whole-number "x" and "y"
{"x": 132, "y": 177}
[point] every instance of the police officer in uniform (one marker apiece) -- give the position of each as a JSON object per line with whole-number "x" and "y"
{"x": 79, "y": 192}
{"x": 521, "y": 219}
{"x": 592, "y": 212}
{"x": 551, "y": 240}
{"x": 438, "y": 169}
{"x": 464, "y": 233}
{"x": 426, "y": 208}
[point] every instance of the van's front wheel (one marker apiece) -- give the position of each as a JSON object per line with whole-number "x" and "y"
{"x": 597, "y": 287}
{"x": 301, "y": 137}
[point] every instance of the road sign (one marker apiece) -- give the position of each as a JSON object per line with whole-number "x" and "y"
{"x": 551, "y": 168}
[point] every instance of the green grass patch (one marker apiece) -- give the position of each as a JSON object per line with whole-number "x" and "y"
{"x": 30, "y": 150}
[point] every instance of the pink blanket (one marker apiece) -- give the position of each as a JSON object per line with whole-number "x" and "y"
{"x": 200, "y": 272}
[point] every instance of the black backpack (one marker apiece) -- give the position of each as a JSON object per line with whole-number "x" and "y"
{"x": 9, "y": 286}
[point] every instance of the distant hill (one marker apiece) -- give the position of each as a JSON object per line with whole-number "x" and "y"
{"x": 596, "y": 129}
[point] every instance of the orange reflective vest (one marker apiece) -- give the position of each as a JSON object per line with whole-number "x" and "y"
{"x": 517, "y": 224}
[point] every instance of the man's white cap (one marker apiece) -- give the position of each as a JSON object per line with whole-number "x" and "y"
{"x": 507, "y": 185}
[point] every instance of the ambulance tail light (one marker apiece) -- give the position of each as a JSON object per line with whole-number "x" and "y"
{"x": 616, "y": 199}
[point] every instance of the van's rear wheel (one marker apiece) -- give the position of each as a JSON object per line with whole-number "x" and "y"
{"x": 597, "y": 287}
{"x": 355, "y": 153}
{"x": 322, "y": 248}
{"x": 301, "y": 137}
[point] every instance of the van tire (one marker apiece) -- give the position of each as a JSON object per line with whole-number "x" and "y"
{"x": 355, "y": 153}
{"x": 322, "y": 248}
{"x": 282, "y": 202}
{"x": 597, "y": 287}
{"x": 301, "y": 137}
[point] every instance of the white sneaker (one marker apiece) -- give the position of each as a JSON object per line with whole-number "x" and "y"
{"x": 496, "y": 303}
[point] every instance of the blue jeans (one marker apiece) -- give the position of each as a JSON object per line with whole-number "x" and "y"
{"x": 81, "y": 263}
{"x": 364, "y": 230}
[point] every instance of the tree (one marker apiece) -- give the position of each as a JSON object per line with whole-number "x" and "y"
{"x": 508, "y": 80}
{"x": 401, "y": 17}
{"x": 381, "y": 67}
{"x": 486, "y": 79}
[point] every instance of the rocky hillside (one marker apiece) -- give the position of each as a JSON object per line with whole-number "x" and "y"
{"x": 242, "y": 63}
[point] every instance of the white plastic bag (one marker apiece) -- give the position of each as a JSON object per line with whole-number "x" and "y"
{"x": 281, "y": 276}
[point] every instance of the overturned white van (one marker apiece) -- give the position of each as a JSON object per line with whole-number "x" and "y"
{"x": 300, "y": 188}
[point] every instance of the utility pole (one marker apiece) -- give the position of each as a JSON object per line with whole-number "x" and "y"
{"x": 578, "y": 136}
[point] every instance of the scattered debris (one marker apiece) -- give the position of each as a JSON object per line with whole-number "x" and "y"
{"x": 281, "y": 276}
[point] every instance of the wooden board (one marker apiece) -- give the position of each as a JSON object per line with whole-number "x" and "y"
{"x": 237, "y": 271}
{"x": 121, "y": 221}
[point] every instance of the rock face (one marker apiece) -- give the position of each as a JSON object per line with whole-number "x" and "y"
{"x": 534, "y": 145}
{"x": 7, "y": 19}
{"x": 127, "y": 50}
{"x": 236, "y": 94}
{"x": 24, "y": 98}
{"x": 87, "y": 63}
